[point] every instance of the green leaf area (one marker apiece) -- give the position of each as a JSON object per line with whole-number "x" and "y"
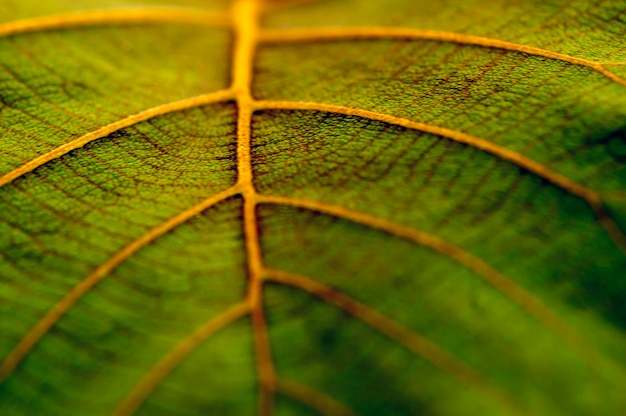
{"x": 337, "y": 207}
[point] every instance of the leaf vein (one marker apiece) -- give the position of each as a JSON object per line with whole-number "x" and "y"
{"x": 43, "y": 326}
{"x": 355, "y": 33}
{"x": 413, "y": 341}
{"x": 212, "y": 98}
{"x": 176, "y": 355}
{"x": 137, "y": 15}
{"x": 591, "y": 197}
{"x": 246, "y": 15}
{"x": 526, "y": 300}
{"x": 314, "y": 399}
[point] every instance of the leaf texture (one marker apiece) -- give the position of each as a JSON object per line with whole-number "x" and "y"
{"x": 312, "y": 207}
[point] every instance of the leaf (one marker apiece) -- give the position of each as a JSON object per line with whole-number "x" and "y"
{"x": 313, "y": 207}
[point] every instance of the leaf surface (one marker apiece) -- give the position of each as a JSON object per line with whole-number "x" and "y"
{"x": 313, "y": 207}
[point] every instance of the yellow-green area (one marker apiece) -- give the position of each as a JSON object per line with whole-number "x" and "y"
{"x": 435, "y": 223}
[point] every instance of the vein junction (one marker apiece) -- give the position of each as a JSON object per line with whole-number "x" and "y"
{"x": 199, "y": 16}
{"x": 244, "y": 19}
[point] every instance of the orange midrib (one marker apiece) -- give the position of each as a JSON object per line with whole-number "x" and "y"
{"x": 246, "y": 16}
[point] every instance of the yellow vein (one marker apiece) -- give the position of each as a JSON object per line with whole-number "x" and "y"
{"x": 26, "y": 344}
{"x": 506, "y": 286}
{"x": 264, "y": 360}
{"x": 102, "y": 132}
{"x": 482, "y": 144}
{"x": 185, "y": 15}
{"x": 330, "y": 34}
{"x": 416, "y": 343}
{"x": 314, "y": 399}
{"x": 246, "y": 15}
{"x": 133, "y": 401}
{"x": 592, "y": 198}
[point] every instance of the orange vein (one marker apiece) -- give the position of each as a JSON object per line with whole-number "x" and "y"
{"x": 590, "y": 196}
{"x": 314, "y": 399}
{"x": 415, "y": 342}
{"x": 187, "y": 15}
{"x": 246, "y": 15}
{"x": 26, "y": 344}
{"x": 482, "y": 144}
{"x": 322, "y": 34}
{"x": 506, "y": 286}
{"x": 175, "y": 356}
{"x": 102, "y": 132}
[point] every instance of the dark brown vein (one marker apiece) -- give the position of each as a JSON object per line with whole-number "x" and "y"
{"x": 184, "y": 15}
{"x": 590, "y": 196}
{"x": 416, "y": 343}
{"x": 26, "y": 344}
{"x": 330, "y": 34}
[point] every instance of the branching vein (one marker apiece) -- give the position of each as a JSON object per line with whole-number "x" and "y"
{"x": 102, "y": 132}
{"x": 246, "y": 15}
{"x": 244, "y": 21}
{"x": 174, "y": 357}
{"x": 500, "y": 282}
{"x": 26, "y": 344}
{"x": 590, "y": 196}
{"x": 330, "y": 34}
{"x": 416, "y": 343}
{"x": 184, "y": 15}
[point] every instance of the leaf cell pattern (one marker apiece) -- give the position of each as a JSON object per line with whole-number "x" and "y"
{"x": 399, "y": 235}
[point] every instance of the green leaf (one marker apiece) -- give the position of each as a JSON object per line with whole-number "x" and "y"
{"x": 300, "y": 207}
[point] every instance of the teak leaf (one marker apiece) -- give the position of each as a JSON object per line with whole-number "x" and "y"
{"x": 340, "y": 207}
